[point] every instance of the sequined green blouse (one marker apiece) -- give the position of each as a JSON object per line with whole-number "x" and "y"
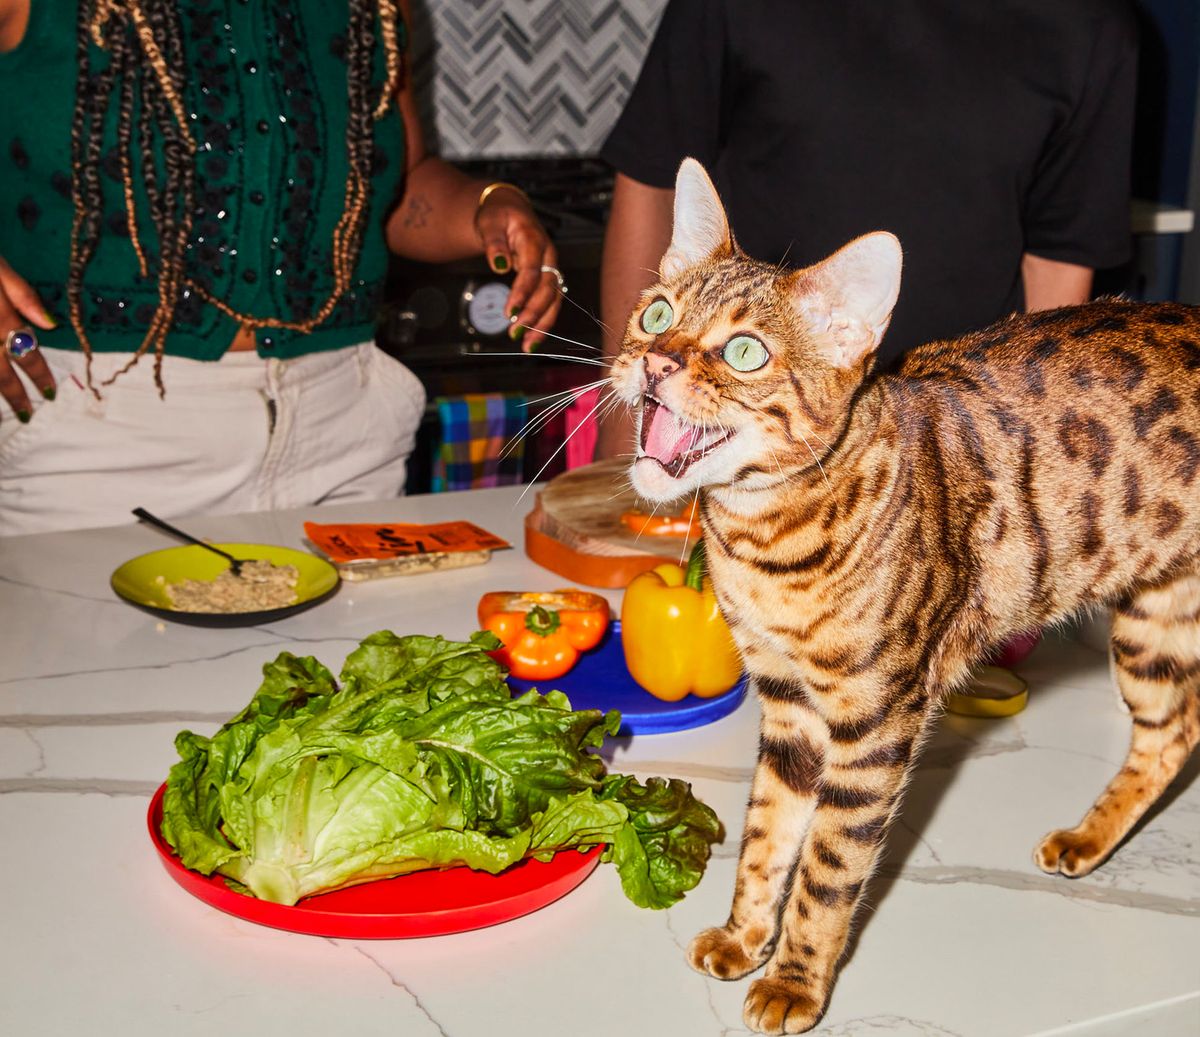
{"x": 267, "y": 100}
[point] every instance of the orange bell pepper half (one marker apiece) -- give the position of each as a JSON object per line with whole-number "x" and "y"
{"x": 543, "y": 633}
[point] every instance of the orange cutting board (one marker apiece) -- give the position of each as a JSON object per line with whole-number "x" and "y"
{"x": 575, "y": 528}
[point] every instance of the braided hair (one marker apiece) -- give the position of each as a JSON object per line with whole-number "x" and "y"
{"x": 141, "y": 55}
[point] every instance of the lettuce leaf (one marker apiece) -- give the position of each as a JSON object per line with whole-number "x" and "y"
{"x": 418, "y": 757}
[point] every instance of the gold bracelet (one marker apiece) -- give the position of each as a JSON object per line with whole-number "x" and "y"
{"x": 495, "y": 185}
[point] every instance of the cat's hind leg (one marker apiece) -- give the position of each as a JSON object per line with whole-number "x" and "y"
{"x": 1156, "y": 656}
{"x": 783, "y": 798}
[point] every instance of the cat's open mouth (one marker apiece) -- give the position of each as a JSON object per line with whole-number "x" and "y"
{"x": 675, "y": 444}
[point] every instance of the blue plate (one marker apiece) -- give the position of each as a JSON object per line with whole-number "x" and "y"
{"x": 600, "y": 680}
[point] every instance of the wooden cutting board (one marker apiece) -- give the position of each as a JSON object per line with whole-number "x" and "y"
{"x": 575, "y": 528}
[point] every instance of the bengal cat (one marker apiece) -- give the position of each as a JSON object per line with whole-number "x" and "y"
{"x": 870, "y": 538}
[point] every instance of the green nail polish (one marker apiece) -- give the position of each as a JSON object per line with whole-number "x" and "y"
{"x": 49, "y": 319}
{"x": 50, "y": 392}
{"x": 23, "y": 417}
{"x": 514, "y": 311}
{"x": 516, "y": 332}
{"x": 500, "y": 264}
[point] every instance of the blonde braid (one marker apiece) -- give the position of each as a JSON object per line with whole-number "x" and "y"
{"x": 389, "y": 15}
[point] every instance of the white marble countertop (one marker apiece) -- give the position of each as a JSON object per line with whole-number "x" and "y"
{"x": 963, "y": 936}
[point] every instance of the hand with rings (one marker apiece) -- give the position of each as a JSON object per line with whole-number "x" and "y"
{"x": 21, "y": 311}
{"x": 513, "y": 237}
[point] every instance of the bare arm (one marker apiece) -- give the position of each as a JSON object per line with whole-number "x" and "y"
{"x": 1049, "y": 283}
{"x": 434, "y": 221}
{"x": 14, "y": 17}
{"x": 438, "y": 219}
{"x": 639, "y": 231}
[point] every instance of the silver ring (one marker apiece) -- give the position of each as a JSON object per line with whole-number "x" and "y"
{"x": 562, "y": 285}
{"x": 21, "y": 342}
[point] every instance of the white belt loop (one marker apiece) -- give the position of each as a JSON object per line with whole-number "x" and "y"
{"x": 363, "y": 356}
{"x": 274, "y": 372}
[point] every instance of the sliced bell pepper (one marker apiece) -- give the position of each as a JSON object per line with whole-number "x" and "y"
{"x": 678, "y": 524}
{"x": 543, "y": 632}
{"x": 675, "y": 639}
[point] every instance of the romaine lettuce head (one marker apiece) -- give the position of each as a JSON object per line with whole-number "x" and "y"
{"x": 420, "y": 758}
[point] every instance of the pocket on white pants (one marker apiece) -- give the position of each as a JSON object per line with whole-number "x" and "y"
{"x": 53, "y": 423}
{"x": 401, "y": 394}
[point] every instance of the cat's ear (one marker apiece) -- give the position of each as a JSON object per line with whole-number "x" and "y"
{"x": 847, "y": 299}
{"x": 700, "y": 225}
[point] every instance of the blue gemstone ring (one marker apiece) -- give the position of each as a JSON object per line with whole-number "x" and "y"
{"x": 20, "y": 342}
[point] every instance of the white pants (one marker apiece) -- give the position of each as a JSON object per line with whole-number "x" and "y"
{"x": 238, "y": 434}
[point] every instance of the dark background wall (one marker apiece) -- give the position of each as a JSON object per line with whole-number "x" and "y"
{"x": 1166, "y": 165}
{"x": 549, "y": 77}
{"x": 1167, "y": 88}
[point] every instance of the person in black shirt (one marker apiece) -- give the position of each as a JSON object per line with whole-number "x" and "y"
{"x": 993, "y": 139}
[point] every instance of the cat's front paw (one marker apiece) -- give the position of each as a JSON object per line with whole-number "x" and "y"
{"x": 781, "y": 1006}
{"x": 723, "y": 954}
{"x": 1068, "y": 852}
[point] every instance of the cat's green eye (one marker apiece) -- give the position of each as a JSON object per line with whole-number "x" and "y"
{"x": 657, "y": 317}
{"x": 744, "y": 353}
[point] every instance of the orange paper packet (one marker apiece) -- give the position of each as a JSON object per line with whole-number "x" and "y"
{"x": 343, "y": 543}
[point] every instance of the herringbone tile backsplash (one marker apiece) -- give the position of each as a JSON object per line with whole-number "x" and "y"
{"x": 526, "y": 77}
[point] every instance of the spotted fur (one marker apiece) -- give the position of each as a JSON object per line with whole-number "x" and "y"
{"x": 871, "y": 538}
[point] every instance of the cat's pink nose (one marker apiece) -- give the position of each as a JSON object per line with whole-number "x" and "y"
{"x": 659, "y": 366}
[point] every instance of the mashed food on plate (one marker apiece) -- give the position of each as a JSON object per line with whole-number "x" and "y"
{"x": 260, "y": 586}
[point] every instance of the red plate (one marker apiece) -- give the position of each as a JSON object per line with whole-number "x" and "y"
{"x": 425, "y": 903}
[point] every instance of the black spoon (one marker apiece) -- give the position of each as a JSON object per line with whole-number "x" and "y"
{"x": 235, "y": 564}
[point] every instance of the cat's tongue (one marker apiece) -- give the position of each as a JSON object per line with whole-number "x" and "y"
{"x": 666, "y": 437}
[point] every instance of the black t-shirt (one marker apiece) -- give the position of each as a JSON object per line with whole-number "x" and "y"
{"x": 974, "y": 131}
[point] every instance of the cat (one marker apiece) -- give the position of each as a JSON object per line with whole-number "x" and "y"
{"x": 870, "y": 538}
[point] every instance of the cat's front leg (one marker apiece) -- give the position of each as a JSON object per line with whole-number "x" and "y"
{"x": 859, "y": 789}
{"x": 782, "y": 800}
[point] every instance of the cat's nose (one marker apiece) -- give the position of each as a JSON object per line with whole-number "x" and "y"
{"x": 659, "y": 366}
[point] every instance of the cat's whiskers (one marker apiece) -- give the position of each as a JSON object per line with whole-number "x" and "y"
{"x": 595, "y": 362}
{"x": 619, "y": 493}
{"x": 563, "y": 401}
{"x": 612, "y": 404}
{"x": 822, "y": 440}
{"x": 611, "y": 401}
{"x": 583, "y": 309}
{"x": 653, "y": 511}
{"x": 783, "y": 476}
{"x": 683, "y": 553}
{"x": 779, "y": 267}
{"x": 828, "y": 486}
{"x": 765, "y": 289}
{"x": 566, "y": 439}
{"x": 576, "y": 391}
{"x": 569, "y": 341}
{"x": 540, "y": 421}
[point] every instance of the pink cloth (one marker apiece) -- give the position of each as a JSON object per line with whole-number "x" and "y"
{"x": 581, "y": 429}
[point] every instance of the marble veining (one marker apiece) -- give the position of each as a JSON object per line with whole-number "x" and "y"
{"x": 92, "y": 692}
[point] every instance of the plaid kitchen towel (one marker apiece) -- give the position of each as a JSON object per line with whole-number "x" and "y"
{"x": 479, "y": 441}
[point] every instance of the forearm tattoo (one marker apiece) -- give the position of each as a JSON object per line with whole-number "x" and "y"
{"x": 416, "y": 213}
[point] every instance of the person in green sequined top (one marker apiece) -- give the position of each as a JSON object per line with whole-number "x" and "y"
{"x": 233, "y": 185}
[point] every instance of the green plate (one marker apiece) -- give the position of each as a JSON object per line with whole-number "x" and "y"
{"x": 137, "y": 581}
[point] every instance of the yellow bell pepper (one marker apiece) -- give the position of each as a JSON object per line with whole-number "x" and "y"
{"x": 676, "y": 641}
